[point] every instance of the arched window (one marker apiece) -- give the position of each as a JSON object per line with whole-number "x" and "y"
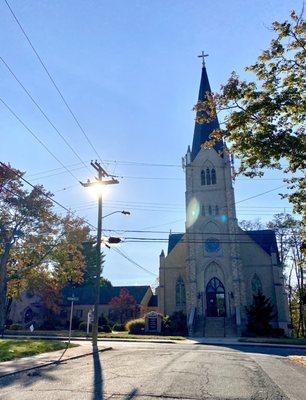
{"x": 215, "y": 298}
{"x": 209, "y": 210}
{"x": 256, "y": 285}
{"x": 180, "y": 293}
{"x": 203, "y": 180}
{"x": 217, "y": 210}
{"x": 208, "y": 180}
{"x": 213, "y": 176}
{"x": 203, "y": 211}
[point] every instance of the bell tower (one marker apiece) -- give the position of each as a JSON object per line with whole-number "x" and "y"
{"x": 214, "y": 282}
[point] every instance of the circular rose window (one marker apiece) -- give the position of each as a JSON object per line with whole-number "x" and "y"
{"x": 212, "y": 245}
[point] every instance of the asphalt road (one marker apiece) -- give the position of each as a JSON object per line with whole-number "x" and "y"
{"x": 172, "y": 371}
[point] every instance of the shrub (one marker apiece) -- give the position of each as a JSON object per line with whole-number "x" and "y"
{"x": 75, "y": 322}
{"x": 104, "y": 329}
{"x": 47, "y": 325}
{"x": 136, "y": 326}
{"x": 260, "y": 314}
{"x": 83, "y": 327}
{"x": 166, "y": 325}
{"x": 277, "y": 332}
{"x": 16, "y": 327}
{"x": 118, "y": 327}
{"x": 176, "y": 324}
{"x": 103, "y": 321}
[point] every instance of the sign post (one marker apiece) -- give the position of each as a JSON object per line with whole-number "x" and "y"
{"x": 89, "y": 320}
{"x": 72, "y": 299}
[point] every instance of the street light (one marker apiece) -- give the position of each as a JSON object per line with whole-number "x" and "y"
{"x": 114, "y": 212}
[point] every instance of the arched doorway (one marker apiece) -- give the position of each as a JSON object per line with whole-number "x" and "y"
{"x": 215, "y": 298}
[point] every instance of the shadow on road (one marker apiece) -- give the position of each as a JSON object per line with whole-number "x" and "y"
{"x": 98, "y": 378}
{"x": 265, "y": 350}
{"x": 133, "y": 393}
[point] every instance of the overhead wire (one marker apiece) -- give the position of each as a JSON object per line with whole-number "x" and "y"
{"x": 37, "y": 138}
{"x": 43, "y": 112}
{"x": 43, "y": 193}
{"x": 128, "y": 258}
{"x": 52, "y": 80}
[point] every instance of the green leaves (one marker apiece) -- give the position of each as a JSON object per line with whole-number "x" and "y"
{"x": 265, "y": 119}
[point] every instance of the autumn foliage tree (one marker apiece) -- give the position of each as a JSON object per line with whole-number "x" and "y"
{"x": 264, "y": 119}
{"x": 39, "y": 249}
{"x": 124, "y": 306}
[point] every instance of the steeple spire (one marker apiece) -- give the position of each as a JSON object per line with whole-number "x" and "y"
{"x": 202, "y": 131}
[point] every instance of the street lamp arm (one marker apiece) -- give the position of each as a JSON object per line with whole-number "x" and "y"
{"x": 114, "y": 212}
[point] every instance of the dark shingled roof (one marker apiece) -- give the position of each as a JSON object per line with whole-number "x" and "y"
{"x": 153, "y": 301}
{"x": 174, "y": 238}
{"x": 202, "y": 131}
{"x": 266, "y": 239}
{"x": 85, "y": 293}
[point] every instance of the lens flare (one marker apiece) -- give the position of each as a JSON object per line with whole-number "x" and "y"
{"x": 97, "y": 189}
{"x": 193, "y": 212}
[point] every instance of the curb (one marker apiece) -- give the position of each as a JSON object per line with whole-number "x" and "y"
{"x": 47, "y": 364}
{"x": 255, "y": 344}
{"x": 82, "y": 338}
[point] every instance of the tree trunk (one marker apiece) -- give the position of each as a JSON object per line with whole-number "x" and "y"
{"x": 3, "y": 286}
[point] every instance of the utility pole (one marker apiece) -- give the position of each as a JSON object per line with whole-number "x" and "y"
{"x": 103, "y": 178}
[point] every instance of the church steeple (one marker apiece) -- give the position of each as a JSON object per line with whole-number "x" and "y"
{"x": 202, "y": 131}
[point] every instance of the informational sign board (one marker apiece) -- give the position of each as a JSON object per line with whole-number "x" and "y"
{"x": 72, "y": 298}
{"x": 152, "y": 322}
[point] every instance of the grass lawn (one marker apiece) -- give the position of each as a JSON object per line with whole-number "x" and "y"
{"x": 11, "y": 349}
{"x": 126, "y": 335}
{"x": 294, "y": 341}
{"x": 113, "y": 335}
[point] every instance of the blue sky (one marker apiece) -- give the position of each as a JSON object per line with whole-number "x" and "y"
{"x": 129, "y": 70}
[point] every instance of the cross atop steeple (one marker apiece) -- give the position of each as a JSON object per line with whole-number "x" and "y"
{"x": 203, "y": 55}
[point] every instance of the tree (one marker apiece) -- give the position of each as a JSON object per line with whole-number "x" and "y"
{"x": 265, "y": 121}
{"x": 259, "y": 315}
{"x": 39, "y": 250}
{"x": 289, "y": 233}
{"x": 124, "y": 305}
{"x": 24, "y": 216}
{"x": 248, "y": 225}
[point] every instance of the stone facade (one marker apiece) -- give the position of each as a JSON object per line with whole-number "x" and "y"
{"x": 215, "y": 259}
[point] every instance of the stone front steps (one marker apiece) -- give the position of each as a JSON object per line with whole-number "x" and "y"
{"x": 217, "y": 327}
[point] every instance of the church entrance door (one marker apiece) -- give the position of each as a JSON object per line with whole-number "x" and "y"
{"x": 215, "y": 298}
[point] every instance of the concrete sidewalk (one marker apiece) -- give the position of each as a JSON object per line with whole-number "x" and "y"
{"x": 45, "y": 359}
{"x": 235, "y": 342}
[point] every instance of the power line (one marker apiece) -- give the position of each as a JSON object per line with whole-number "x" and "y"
{"x": 42, "y": 192}
{"x": 42, "y": 111}
{"x": 166, "y": 240}
{"x": 59, "y": 172}
{"x": 124, "y": 255}
{"x": 177, "y": 233}
{"x": 37, "y": 138}
{"x": 52, "y": 79}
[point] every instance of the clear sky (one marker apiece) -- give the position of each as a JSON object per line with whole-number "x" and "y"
{"x": 129, "y": 70}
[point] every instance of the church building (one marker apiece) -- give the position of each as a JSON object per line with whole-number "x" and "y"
{"x": 212, "y": 270}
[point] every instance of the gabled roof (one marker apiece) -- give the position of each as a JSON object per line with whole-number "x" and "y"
{"x": 174, "y": 238}
{"x": 85, "y": 293}
{"x": 153, "y": 301}
{"x": 266, "y": 239}
{"x": 202, "y": 131}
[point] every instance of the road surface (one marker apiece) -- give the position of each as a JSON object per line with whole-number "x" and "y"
{"x": 147, "y": 371}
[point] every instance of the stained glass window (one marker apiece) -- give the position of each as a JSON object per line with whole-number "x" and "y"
{"x": 180, "y": 293}
{"x": 213, "y": 177}
{"x": 208, "y": 180}
{"x": 203, "y": 180}
{"x": 256, "y": 284}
